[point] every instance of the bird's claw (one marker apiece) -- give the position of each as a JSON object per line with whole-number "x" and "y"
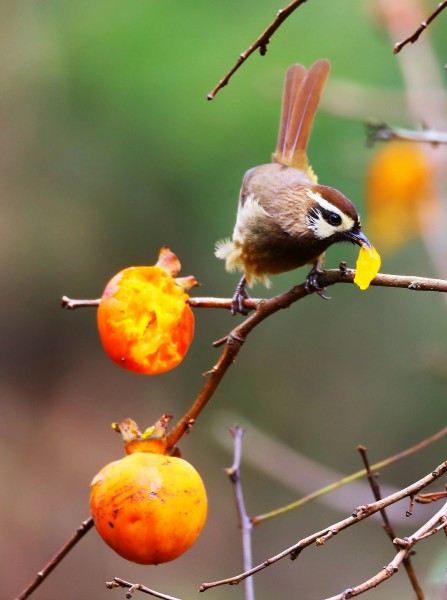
{"x": 313, "y": 286}
{"x": 240, "y": 294}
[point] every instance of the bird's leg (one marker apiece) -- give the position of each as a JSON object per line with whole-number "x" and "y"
{"x": 240, "y": 294}
{"x": 312, "y": 280}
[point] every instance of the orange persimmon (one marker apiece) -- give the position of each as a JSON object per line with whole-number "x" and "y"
{"x": 401, "y": 197}
{"x": 149, "y": 507}
{"x": 145, "y": 322}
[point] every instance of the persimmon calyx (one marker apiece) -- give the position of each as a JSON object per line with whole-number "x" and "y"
{"x": 153, "y": 439}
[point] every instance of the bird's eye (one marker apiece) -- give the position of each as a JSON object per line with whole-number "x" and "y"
{"x": 334, "y": 219}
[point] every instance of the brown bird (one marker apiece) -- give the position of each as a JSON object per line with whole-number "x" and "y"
{"x": 286, "y": 219}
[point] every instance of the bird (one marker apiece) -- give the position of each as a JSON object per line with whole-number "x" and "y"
{"x": 285, "y": 218}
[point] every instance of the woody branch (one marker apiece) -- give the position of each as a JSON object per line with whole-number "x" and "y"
{"x": 236, "y": 338}
{"x": 325, "y": 279}
{"x": 359, "y": 514}
{"x": 260, "y": 44}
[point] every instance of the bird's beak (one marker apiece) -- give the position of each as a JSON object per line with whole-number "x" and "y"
{"x": 359, "y": 238}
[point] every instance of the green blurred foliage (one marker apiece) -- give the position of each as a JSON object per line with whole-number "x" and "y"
{"x": 109, "y": 150}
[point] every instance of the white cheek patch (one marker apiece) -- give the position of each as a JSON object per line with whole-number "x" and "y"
{"x": 322, "y": 228}
{"x": 319, "y": 225}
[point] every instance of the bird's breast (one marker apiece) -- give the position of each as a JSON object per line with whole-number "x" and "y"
{"x": 267, "y": 245}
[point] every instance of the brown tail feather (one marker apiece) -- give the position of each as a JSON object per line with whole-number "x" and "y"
{"x": 302, "y": 91}
{"x": 294, "y": 78}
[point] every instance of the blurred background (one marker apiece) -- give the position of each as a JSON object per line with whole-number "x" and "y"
{"x": 109, "y": 150}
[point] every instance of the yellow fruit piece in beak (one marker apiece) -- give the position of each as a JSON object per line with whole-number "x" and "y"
{"x": 368, "y": 265}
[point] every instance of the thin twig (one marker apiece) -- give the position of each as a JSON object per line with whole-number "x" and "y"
{"x": 415, "y": 36}
{"x": 349, "y": 478}
{"x": 428, "y": 529}
{"x": 382, "y": 132}
{"x": 372, "y": 478}
{"x": 431, "y": 497}
{"x": 422, "y": 284}
{"x": 234, "y": 473}
{"x": 264, "y": 308}
{"x": 325, "y": 278}
{"x": 261, "y": 43}
{"x": 57, "y": 558}
{"x": 375, "y": 487}
{"x": 71, "y": 303}
{"x": 320, "y": 537}
{"x": 234, "y": 342}
{"x": 136, "y": 587}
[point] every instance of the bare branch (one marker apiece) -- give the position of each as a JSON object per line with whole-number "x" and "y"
{"x": 325, "y": 278}
{"x": 233, "y": 343}
{"x": 344, "y": 480}
{"x": 375, "y": 487}
{"x": 136, "y": 587}
{"x": 381, "y": 132}
{"x": 50, "y": 566}
{"x": 428, "y": 529}
{"x": 415, "y": 36}
{"x": 236, "y": 338}
{"x": 264, "y": 308}
{"x": 422, "y": 284}
{"x": 72, "y": 304}
{"x": 244, "y": 521}
{"x": 261, "y": 43}
{"x": 372, "y": 478}
{"x": 431, "y": 497}
{"x": 320, "y": 537}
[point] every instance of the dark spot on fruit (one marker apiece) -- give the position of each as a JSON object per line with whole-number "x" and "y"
{"x": 111, "y": 524}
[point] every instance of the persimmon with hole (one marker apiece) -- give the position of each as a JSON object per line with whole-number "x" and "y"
{"x": 149, "y": 507}
{"x": 145, "y": 322}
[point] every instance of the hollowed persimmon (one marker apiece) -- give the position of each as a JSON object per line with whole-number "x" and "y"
{"x": 145, "y": 322}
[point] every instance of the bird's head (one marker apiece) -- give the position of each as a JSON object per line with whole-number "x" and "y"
{"x": 332, "y": 218}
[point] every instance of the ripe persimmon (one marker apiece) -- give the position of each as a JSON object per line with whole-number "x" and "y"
{"x": 148, "y": 507}
{"x": 402, "y": 199}
{"x": 145, "y": 322}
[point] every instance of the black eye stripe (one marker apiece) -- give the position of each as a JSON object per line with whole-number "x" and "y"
{"x": 329, "y": 216}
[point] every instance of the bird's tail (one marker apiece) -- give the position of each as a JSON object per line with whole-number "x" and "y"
{"x": 302, "y": 91}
